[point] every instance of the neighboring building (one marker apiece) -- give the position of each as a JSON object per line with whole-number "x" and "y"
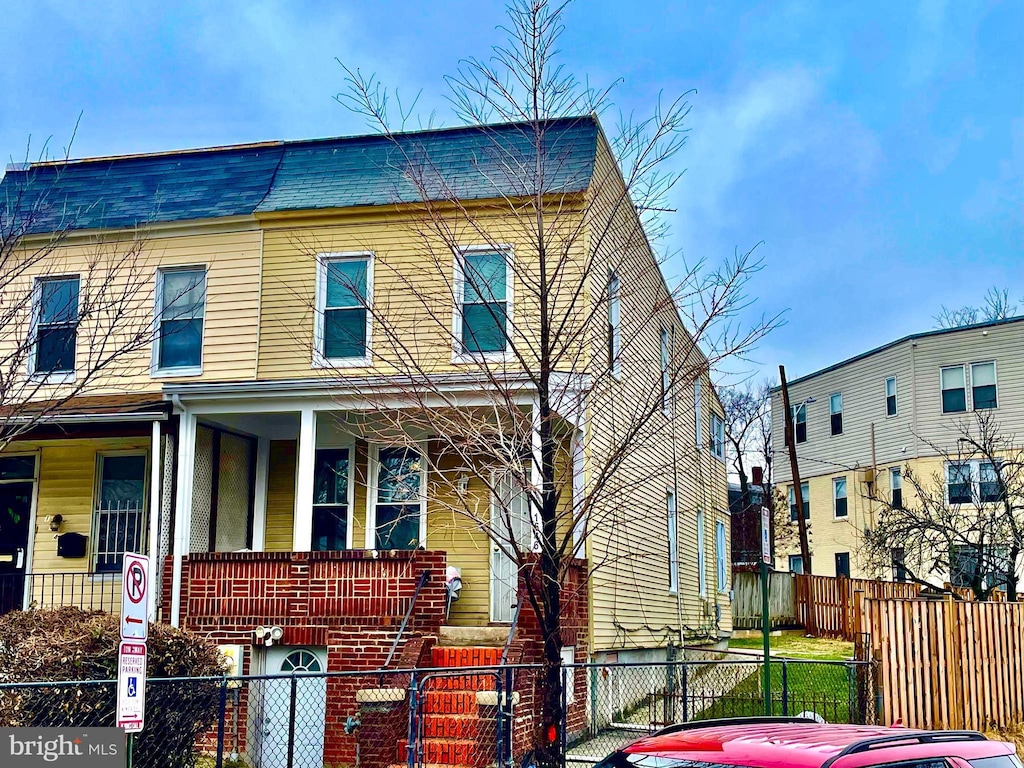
{"x": 745, "y": 518}
{"x": 232, "y": 455}
{"x": 861, "y": 422}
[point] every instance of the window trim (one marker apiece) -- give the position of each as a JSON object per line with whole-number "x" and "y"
{"x": 789, "y": 563}
{"x": 717, "y": 446}
{"x": 702, "y": 557}
{"x": 849, "y": 564}
{"x": 349, "y": 446}
{"x": 974, "y": 465}
{"x": 895, "y": 472}
{"x": 721, "y": 565}
{"x": 672, "y": 522}
{"x": 942, "y": 391}
{"x": 458, "y": 290}
{"x": 36, "y": 308}
{"x": 698, "y": 416}
{"x": 94, "y": 523}
{"x": 373, "y": 469}
{"x": 794, "y": 411}
{"x": 832, "y": 415}
{"x": 320, "y": 360}
{"x": 155, "y": 371}
{"x": 805, "y": 498}
{"x": 895, "y": 396}
{"x": 836, "y": 499}
{"x": 613, "y": 340}
{"x": 995, "y": 383}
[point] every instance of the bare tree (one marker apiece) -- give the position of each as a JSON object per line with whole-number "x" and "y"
{"x": 561, "y": 376}
{"x": 73, "y": 312}
{"x": 964, "y": 523}
{"x": 996, "y": 306}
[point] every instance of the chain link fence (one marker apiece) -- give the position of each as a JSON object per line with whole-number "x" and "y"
{"x": 469, "y": 717}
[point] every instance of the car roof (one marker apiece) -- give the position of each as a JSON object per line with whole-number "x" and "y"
{"x": 810, "y": 745}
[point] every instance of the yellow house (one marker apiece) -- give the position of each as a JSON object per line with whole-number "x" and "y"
{"x": 307, "y": 333}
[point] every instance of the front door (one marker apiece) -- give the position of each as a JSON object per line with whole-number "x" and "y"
{"x": 15, "y": 509}
{"x": 305, "y": 708}
{"x": 510, "y": 523}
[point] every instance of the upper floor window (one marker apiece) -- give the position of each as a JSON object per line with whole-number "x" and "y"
{"x": 954, "y": 390}
{"x": 673, "y": 543}
{"x": 890, "y": 396}
{"x": 181, "y": 311}
{"x": 699, "y": 426}
{"x": 970, "y": 482}
{"x": 896, "y": 488}
{"x": 983, "y": 385}
{"x": 614, "y": 340}
{"x": 839, "y": 494}
{"x": 721, "y": 572}
{"x": 958, "y": 482}
{"x": 835, "y": 409}
{"x": 805, "y": 498}
{"x": 702, "y": 577}
{"x": 717, "y": 436}
{"x": 344, "y": 287}
{"x": 56, "y": 326}
{"x": 798, "y": 413}
{"x": 666, "y": 376}
{"x": 484, "y": 292}
{"x": 990, "y": 484}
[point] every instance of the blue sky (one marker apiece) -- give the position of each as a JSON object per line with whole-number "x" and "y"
{"x": 876, "y": 148}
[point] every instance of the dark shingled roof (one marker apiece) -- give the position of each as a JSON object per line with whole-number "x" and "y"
{"x": 468, "y": 163}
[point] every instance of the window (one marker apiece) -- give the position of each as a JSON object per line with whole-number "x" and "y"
{"x": 896, "y": 488}
{"x": 839, "y": 494}
{"x": 899, "y": 569}
{"x": 398, "y": 508}
{"x": 673, "y": 543}
{"x": 805, "y": 497}
{"x": 954, "y": 394}
{"x": 666, "y": 374}
{"x": 958, "y": 482}
{"x": 702, "y": 577}
{"x": 835, "y": 409}
{"x": 983, "y": 386}
{"x": 698, "y": 420}
{"x": 330, "y": 500}
{"x": 798, "y": 413}
{"x": 56, "y": 326}
{"x": 614, "y": 331}
{"x": 485, "y": 295}
{"x": 843, "y": 564}
{"x": 119, "y": 509}
{"x": 796, "y": 564}
{"x": 181, "y": 307}
{"x": 990, "y": 486}
{"x": 717, "y": 436}
{"x": 966, "y": 563}
{"x": 720, "y": 555}
{"x": 890, "y": 396}
{"x": 344, "y": 287}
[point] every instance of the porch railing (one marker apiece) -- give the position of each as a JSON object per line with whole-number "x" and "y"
{"x": 88, "y": 591}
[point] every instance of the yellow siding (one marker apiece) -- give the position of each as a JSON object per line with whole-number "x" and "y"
{"x": 280, "y": 496}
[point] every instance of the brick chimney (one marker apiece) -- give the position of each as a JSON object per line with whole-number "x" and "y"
{"x": 757, "y": 475}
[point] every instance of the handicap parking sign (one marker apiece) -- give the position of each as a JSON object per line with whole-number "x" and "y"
{"x": 133, "y": 687}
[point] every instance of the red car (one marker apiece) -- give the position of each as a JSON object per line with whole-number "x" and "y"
{"x": 774, "y": 742}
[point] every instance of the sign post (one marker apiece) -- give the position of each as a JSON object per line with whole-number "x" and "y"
{"x": 131, "y": 655}
{"x": 766, "y": 559}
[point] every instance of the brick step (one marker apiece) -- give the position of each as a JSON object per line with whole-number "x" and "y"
{"x": 455, "y": 726}
{"x": 461, "y": 682}
{"x": 465, "y": 753}
{"x": 450, "y": 703}
{"x": 468, "y": 656}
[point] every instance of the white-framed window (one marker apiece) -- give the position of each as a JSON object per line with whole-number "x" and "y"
{"x": 181, "y": 314}
{"x": 55, "y": 327}
{"x": 673, "y": 542}
{"x": 973, "y": 482}
{"x": 397, "y": 503}
{"x": 720, "y": 556}
{"x": 796, "y": 564}
{"x": 697, "y": 417}
{"x": 896, "y": 488}
{"x": 119, "y": 508}
{"x": 702, "y": 576}
{"x": 954, "y": 389}
{"x": 983, "y": 386}
{"x": 890, "y": 396}
{"x": 839, "y": 496}
{"x": 344, "y": 291}
{"x": 483, "y": 302}
{"x": 614, "y": 331}
{"x": 717, "y": 437}
{"x": 835, "y": 412}
{"x": 805, "y": 498}
{"x": 798, "y": 414}
{"x": 842, "y": 565}
{"x": 666, "y": 372}
{"x": 332, "y": 499}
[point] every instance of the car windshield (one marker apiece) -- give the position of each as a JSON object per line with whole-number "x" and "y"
{"x": 999, "y": 761}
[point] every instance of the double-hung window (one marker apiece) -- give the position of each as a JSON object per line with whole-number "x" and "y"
{"x": 485, "y": 295}
{"x": 720, "y": 568}
{"x": 805, "y": 497}
{"x": 717, "y": 437}
{"x": 331, "y": 499}
{"x": 798, "y": 415}
{"x": 954, "y": 390}
{"x": 796, "y": 564}
{"x": 702, "y": 577}
{"x": 958, "y": 482}
{"x": 120, "y": 509}
{"x": 181, "y": 312}
{"x": 896, "y": 488}
{"x": 835, "y": 410}
{"x": 983, "y": 386}
{"x": 614, "y": 331}
{"x": 990, "y": 485}
{"x": 968, "y": 482}
{"x": 890, "y": 396}
{"x": 839, "y": 494}
{"x": 399, "y": 499}
{"x": 56, "y": 326}
{"x": 673, "y": 543}
{"x": 344, "y": 287}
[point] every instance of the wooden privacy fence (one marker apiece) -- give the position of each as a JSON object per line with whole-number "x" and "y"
{"x": 947, "y": 663}
{"x": 827, "y": 606}
{"x": 746, "y": 601}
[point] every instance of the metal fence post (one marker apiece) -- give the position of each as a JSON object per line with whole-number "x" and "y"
{"x": 414, "y": 703}
{"x": 563, "y": 737}
{"x": 509, "y": 718}
{"x": 851, "y": 702}
{"x": 499, "y": 725}
{"x": 222, "y": 715}
{"x": 785, "y": 689}
{"x": 685, "y": 691}
{"x": 291, "y": 722}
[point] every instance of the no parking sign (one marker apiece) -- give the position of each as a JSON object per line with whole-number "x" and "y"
{"x": 131, "y": 655}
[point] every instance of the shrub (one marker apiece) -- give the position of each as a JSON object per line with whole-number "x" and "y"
{"x": 73, "y": 649}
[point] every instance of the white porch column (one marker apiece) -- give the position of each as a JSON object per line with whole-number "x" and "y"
{"x": 259, "y": 511}
{"x": 536, "y": 476}
{"x": 579, "y": 488}
{"x": 156, "y": 460}
{"x": 182, "y": 506}
{"x": 302, "y": 524}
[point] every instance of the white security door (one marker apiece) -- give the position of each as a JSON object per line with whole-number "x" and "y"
{"x": 510, "y": 520}
{"x": 309, "y": 704}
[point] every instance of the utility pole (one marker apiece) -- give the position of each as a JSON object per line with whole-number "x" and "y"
{"x": 798, "y": 496}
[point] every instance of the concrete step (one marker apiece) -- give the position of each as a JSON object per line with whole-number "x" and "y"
{"x": 472, "y": 636}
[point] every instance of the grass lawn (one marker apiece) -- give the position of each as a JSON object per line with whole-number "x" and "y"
{"x": 795, "y": 646}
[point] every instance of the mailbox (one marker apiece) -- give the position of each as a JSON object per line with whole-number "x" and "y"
{"x": 71, "y": 545}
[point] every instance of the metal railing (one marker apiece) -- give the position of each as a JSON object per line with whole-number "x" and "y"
{"x": 85, "y": 590}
